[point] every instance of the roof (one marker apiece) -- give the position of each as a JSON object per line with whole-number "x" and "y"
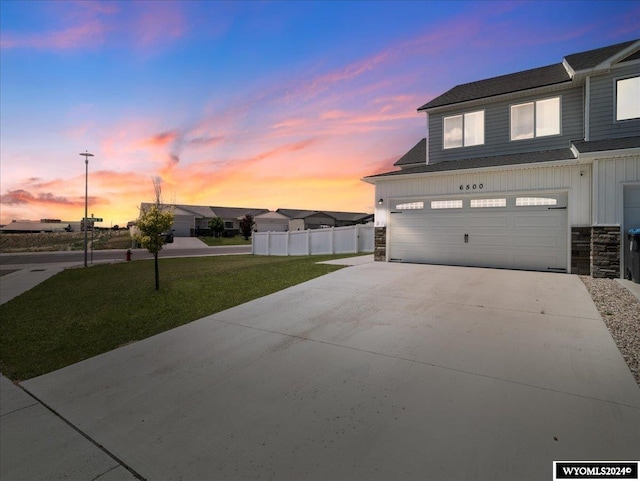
{"x": 593, "y": 58}
{"x": 417, "y": 155}
{"x": 528, "y": 79}
{"x": 515, "y": 82}
{"x": 34, "y": 226}
{"x": 236, "y": 212}
{"x": 607, "y": 144}
{"x": 342, "y": 216}
{"x": 483, "y": 162}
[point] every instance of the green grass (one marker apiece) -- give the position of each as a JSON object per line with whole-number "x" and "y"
{"x": 225, "y": 241}
{"x": 81, "y": 313}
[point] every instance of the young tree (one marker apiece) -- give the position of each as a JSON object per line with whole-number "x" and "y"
{"x": 153, "y": 221}
{"x": 246, "y": 226}
{"x": 217, "y": 226}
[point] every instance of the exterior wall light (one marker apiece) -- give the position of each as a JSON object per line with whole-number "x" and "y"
{"x": 380, "y": 201}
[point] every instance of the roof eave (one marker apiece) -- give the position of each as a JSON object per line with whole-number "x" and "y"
{"x": 549, "y": 163}
{"x": 494, "y": 98}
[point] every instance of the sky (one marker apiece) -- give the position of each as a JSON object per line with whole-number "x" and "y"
{"x": 248, "y": 104}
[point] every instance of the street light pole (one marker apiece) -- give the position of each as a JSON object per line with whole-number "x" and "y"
{"x": 86, "y": 155}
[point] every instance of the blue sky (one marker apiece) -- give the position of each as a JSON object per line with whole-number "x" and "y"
{"x": 256, "y": 104}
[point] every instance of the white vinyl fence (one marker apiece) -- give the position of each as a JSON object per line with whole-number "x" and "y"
{"x": 336, "y": 240}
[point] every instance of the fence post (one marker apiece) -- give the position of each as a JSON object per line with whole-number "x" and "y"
{"x": 288, "y": 247}
{"x": 308, "y": 232}
{"x": 332, "y": 242}
{"x": 268, "y": 243}
{"x": 357, "y": 237}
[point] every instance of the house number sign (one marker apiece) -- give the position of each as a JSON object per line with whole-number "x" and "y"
{"x": 471, "y": 186}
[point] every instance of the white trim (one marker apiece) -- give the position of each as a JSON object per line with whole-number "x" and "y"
{"x": 495, "y": 168}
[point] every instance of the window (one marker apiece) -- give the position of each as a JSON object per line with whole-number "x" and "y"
{"x": 628, "y": 98}
{"x": 410, "y": 206}
{"x": 535, "y": 119}
{"x": 531, "y": 201}
{"x": 228, "y": 225}
{"x": 464, "y": 130}
{"x": 475, "y": 203}
{"x": 446, "y": 204}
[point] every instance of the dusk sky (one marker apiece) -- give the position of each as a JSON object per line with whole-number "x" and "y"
{"x": 248, "y": 104}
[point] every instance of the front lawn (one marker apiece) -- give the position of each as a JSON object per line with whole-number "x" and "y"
{"x": 82, "y": 312}
{"x": 225, "y": 241}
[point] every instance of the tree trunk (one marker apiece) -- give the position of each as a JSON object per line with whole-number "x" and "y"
{"x": 157, "y": 272}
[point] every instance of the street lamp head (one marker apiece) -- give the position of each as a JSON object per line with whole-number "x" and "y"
{"x": 86, "y": 155}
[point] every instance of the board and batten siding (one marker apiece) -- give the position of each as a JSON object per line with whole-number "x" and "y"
{"x": 609, "y": 177}
{"x": 497, "y": 128}
{"x": 602, "y": 121}
{"x": 574, "y": 179}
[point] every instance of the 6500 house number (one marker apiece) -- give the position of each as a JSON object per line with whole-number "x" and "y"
{"x": 471, "y": 186}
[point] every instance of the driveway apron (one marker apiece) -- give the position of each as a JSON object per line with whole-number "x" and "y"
{"x": 377, "y": 371}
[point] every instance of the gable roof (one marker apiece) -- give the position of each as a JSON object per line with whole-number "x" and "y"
{"x": 528, "y": 79}
{"x": 417, "y": 155}
{"x": 303, "y": 214}
{"x": 236, "y": 212}
{"x": 483, "y": 162}
{"x": 593, "y": 58}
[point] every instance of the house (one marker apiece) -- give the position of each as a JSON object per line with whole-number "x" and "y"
{"x": 44, "y": 225}
{"x": 233, "y": 215}
{"x": 193, "y": 220}
{"x": 535, "y": 170}
{"x": 271, "y": 222}
{"x": 313, "y": 219}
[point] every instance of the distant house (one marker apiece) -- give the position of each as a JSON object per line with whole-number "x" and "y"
{"x": 232, "y": 216}
{"x": 271, "y": 222}
{"x": 193, "y": 220}
{"x": 34, "y": 226}
{"x": 315, "y": 219}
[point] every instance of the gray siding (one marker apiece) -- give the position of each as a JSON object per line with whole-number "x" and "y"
{"x": 497, "y": 129}
{"x": 602, "y": 121}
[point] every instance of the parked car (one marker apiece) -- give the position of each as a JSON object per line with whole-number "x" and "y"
{"x": 167, "y": 236}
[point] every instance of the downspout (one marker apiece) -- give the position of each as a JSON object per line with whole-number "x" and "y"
{"x": 587, "y": 108}
{"x": 427, "y": 148}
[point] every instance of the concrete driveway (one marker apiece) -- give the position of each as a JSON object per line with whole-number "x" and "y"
{"x": 379, "y": 371}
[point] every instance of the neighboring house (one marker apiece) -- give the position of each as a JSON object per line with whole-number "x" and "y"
{"x": 313, "y": 219}
{"x": 536, "y": 170}
{"x": 32, "y": 226}
{"x": 193, "y": 220}
{"x": 233, "y": 215}
{"x": 271, "y": 222}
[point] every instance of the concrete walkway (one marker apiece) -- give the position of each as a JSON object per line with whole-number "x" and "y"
{"x": 377, "y": 371}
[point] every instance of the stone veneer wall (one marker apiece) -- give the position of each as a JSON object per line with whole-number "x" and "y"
{"x": 605, "y": 251}
{"x": 581, "y": 250}
{"x": 380, "y": 244}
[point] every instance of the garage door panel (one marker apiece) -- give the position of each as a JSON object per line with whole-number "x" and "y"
{"x": 488, "y": 220}
{"x": 537, "y": 241}
{"x": 539, "y": 219}
{"x": 490, "y": 240}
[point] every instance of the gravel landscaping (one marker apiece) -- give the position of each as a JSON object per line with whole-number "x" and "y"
{"x": 620, "y": 311}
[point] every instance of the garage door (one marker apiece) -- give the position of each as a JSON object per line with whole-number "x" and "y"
{"x": 514, "y": 232}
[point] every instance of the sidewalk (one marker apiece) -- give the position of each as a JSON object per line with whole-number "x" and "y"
{"x": 35, "y": 442}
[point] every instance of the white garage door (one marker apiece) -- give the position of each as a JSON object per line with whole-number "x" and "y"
{"x": 508, "y": 231}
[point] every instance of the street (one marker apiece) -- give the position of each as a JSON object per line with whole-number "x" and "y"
{"x": 23, "y": 258}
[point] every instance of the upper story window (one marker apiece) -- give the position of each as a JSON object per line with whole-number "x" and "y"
{"x": 628, "y": 98}
{"x": 464, "y": 130}
{"x": 535, "y": 119}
